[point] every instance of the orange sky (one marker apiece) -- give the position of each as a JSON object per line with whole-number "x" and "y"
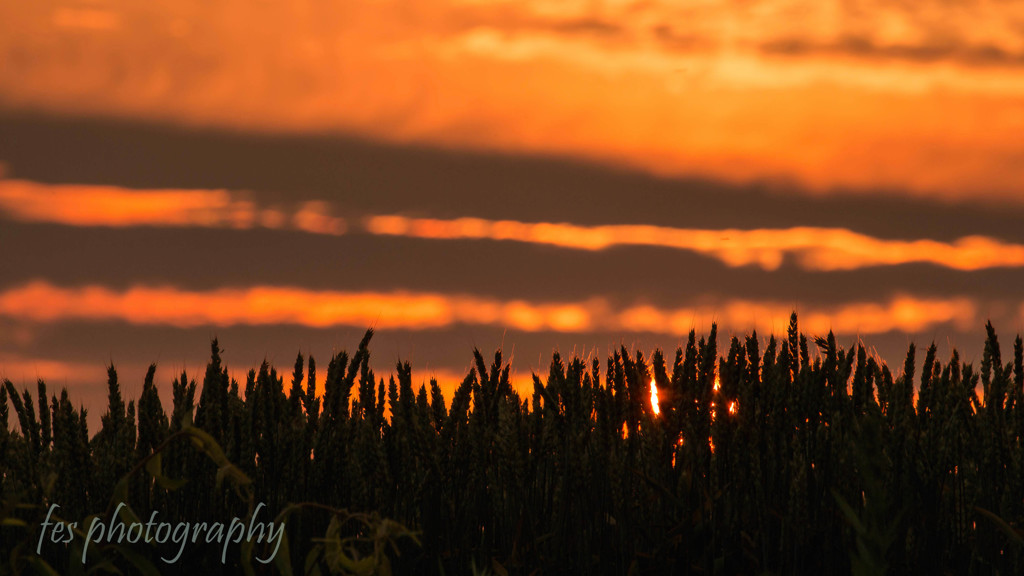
{"x": 925, "y": 97}
{"x": 856, "y": 104}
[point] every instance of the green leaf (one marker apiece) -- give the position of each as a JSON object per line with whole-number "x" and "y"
{"x": 155, "y": 469}
{"x": 283, "y": 559}
{"x": 231, "y": 472}
{"x": 851, "y": 515}
{"x": 202, "y": 440}
{"x": 1014, "y": 535}
{"x": 313, "y": 560}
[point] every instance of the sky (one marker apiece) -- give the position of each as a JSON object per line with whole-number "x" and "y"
{"x": 531, "y": 176}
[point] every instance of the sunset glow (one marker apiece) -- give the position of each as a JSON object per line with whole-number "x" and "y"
{"x": 267, "y": 305}
{"x": 917, "y": 97}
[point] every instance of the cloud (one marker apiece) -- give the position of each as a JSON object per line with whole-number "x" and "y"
{"x": 42, "y": 302}
{"x": 79, "y": 205}
{"x": 115, "y": 206}
{"x": 315, "y": 217}
{"x": 901, "y": 313}
{"x": 816, "y": 249}
{"x": 926, "y": 53}
{"x": 401, "y": 310}
{"x": 922, "y": 97}
{"x": 822, "y": 249}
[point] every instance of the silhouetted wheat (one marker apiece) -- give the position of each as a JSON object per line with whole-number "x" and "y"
{"x": 795, "y": 463}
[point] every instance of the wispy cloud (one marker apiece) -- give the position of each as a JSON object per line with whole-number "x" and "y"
{"x": 114, "y": 206}
{"x": 267, "y": 305}
{"x": 84, "y": 205}
{"x": 315, "y": 217}
{"x": 901, "y": 313}
{"x": 822, "y": 249}
{"x": 42, "y": 302}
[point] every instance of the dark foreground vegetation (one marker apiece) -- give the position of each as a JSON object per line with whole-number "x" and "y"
{"x": 804, "y": 458}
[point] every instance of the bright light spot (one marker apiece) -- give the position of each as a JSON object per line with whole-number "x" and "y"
{"x": 654, "y": 397}
{"x": 679, "y": 444}
{"x": 732, "y": 407}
